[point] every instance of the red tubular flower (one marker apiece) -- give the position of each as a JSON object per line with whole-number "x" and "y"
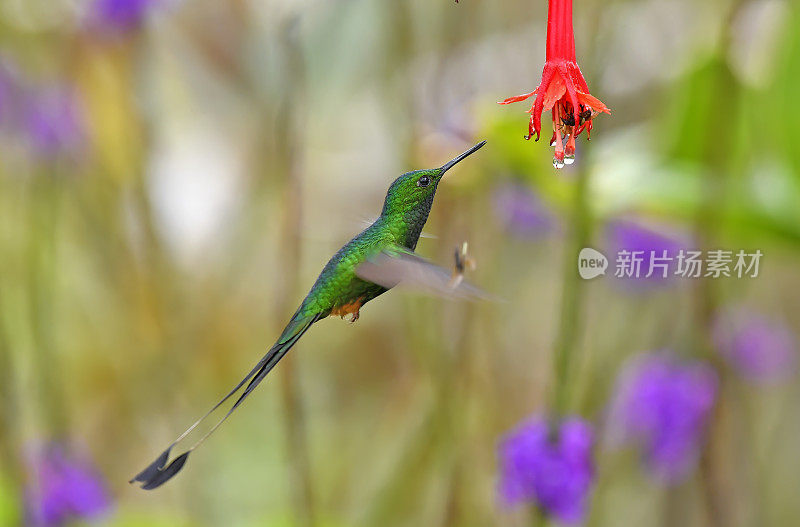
{"x": 562, "y": 89}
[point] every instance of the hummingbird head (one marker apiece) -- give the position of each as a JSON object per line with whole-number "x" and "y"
{"x": 411, "y": 195}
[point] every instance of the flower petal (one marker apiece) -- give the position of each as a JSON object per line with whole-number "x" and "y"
{"x": 518, "y": 98}
{"x": 555, "y": 90}
{"x": 593, "y": 102}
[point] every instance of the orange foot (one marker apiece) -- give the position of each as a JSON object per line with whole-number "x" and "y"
{"x": 351, "y": 308}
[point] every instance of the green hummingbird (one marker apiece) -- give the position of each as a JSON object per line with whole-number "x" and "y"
{"x": 379, "y": 258}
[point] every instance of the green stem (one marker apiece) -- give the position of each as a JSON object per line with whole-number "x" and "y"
{"x": 709, "y": 220}
{"x": 571, "y": 318}
{"x": 537, "y": 517}
{"x": 9, "y": 408}
{"x": 290, "y": 142}
{"x": 44, "y": 206}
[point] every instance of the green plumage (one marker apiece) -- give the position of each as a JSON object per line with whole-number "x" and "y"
{"x": 400, "y": 224}
{"x": 338, "y": 289}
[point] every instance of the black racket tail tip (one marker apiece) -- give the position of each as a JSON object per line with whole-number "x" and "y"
{"x": 167, "y": 473}
{"x": 153, "y": 468}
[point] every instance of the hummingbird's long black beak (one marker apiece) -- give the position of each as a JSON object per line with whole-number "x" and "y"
{"x": 452, "y": 162}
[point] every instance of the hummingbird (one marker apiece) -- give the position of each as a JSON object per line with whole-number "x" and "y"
{"x": 379, "y": 258}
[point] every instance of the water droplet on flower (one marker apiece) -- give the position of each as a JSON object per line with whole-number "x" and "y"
{"x": 558, "y": 163}
{"x": 569, "y": 159}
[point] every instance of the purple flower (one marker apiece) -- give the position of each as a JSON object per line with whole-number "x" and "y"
{"x": 521, "y": 212}
{"x": 761, "y": 350}
{"x": 63, "y": 488}
{"x": 120, "y": 15}
{"x": 647, "y": 245}
{"x": 663, "y": 404}
{"x": 553, "y": 471}
{"x": 54, "y": 123}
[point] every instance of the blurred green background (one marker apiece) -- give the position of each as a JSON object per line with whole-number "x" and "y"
{"x": 173, "y": 177}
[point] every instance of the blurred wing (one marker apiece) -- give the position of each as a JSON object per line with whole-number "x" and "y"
{"x": 408, "y": 270}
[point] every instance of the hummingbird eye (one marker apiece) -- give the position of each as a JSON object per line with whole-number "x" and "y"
{"x": 424, "y": 181}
